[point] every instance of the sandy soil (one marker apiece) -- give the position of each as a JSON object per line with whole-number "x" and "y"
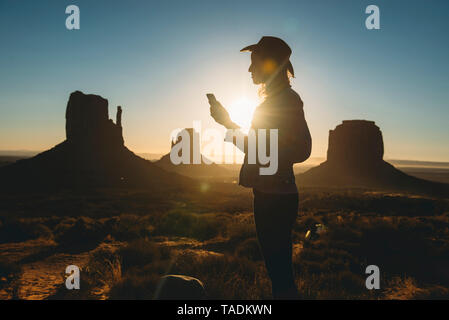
{"x": 39, "y": 278}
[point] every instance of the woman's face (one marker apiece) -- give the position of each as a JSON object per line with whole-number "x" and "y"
{"x": 261, "y": 68}
{"x": 256, "y": 69}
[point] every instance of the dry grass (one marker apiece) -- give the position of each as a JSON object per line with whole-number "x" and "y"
{"x": 407, "y": 237}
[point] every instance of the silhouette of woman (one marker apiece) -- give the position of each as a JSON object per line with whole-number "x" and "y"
{"x": 275, "y": 196}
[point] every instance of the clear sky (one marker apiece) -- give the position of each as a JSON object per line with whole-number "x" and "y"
{"x": 158, "y": 59}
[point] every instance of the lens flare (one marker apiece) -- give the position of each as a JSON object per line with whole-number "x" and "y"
{"x": 241, "y": 111}
{"x": 269, "y": 66}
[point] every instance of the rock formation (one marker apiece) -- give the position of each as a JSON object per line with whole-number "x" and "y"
{"x": 355, "y": 144}
{"x": 118, "y": 118}
{"x": 201, "y": 170}
{"x": 92, "y": 155}
{"x": 194, "y": 137}
{"x": 87, "y": 121}
{"x": 180, "y": 287}
{"x": 355, "y": 159}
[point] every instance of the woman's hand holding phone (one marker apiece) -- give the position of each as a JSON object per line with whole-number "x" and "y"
{"x": 218, "y": 112}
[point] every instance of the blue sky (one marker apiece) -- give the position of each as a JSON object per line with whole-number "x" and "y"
{"x": 158, "y": 59}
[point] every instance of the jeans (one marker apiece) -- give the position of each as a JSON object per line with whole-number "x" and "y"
{"x": 275, "y": 215}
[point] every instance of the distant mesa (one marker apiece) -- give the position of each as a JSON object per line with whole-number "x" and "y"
{"x": 201, "y": 170}
{"x": 356, "y": 145}
{"x": 355, "y": 159}
{"x": 87, "y": 121}
{"x": 93, "y": 154}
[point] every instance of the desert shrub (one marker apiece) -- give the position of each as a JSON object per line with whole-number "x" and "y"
{"x": 129, "y": 227}
{"x": 238, "y": 231}
{"x": 87, "y": 286}
{"x": 84, "y": 234}
{"x": 339, "y": 285}
{"x": 325, "y": 273}
{"x": 136, "y": 286}
{"x": 142, "y": 263}
{"x": 102, "y": 272}
{"x": 250, "y": 249}
{"x": 225, "y": 276}
{"x": 399, "y": 245}
{"x": 104, "y": 267}
{"x": 9, "y": 275}
{"x": 358, "y": 200}
{"x": 406, "y": 288}
{"x": 141, "y": 252}
{"x": 8, "y": 271}
{"x": 197, "y": 226}
{"x": 17, "y": 230}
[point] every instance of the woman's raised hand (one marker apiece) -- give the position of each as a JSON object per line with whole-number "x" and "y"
{"x": 219, "y": 113}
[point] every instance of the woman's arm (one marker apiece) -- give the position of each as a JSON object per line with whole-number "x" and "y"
{"x": 295, "y": 142}
{"x": 221, "y": 115}
{"x": 233, "y": 134}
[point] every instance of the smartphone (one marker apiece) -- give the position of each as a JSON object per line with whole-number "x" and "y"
{"x": 211, "y": 97}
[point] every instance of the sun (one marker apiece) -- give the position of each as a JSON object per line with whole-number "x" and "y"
{"x": 241, "y": 111}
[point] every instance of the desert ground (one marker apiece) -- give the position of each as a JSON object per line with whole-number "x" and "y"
{"x": 125, "y": 240}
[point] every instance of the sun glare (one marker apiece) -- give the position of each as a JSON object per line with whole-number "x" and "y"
{"x": 241, "y": 111}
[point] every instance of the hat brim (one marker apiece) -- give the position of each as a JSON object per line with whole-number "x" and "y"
{"x": 249, "y": 48}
